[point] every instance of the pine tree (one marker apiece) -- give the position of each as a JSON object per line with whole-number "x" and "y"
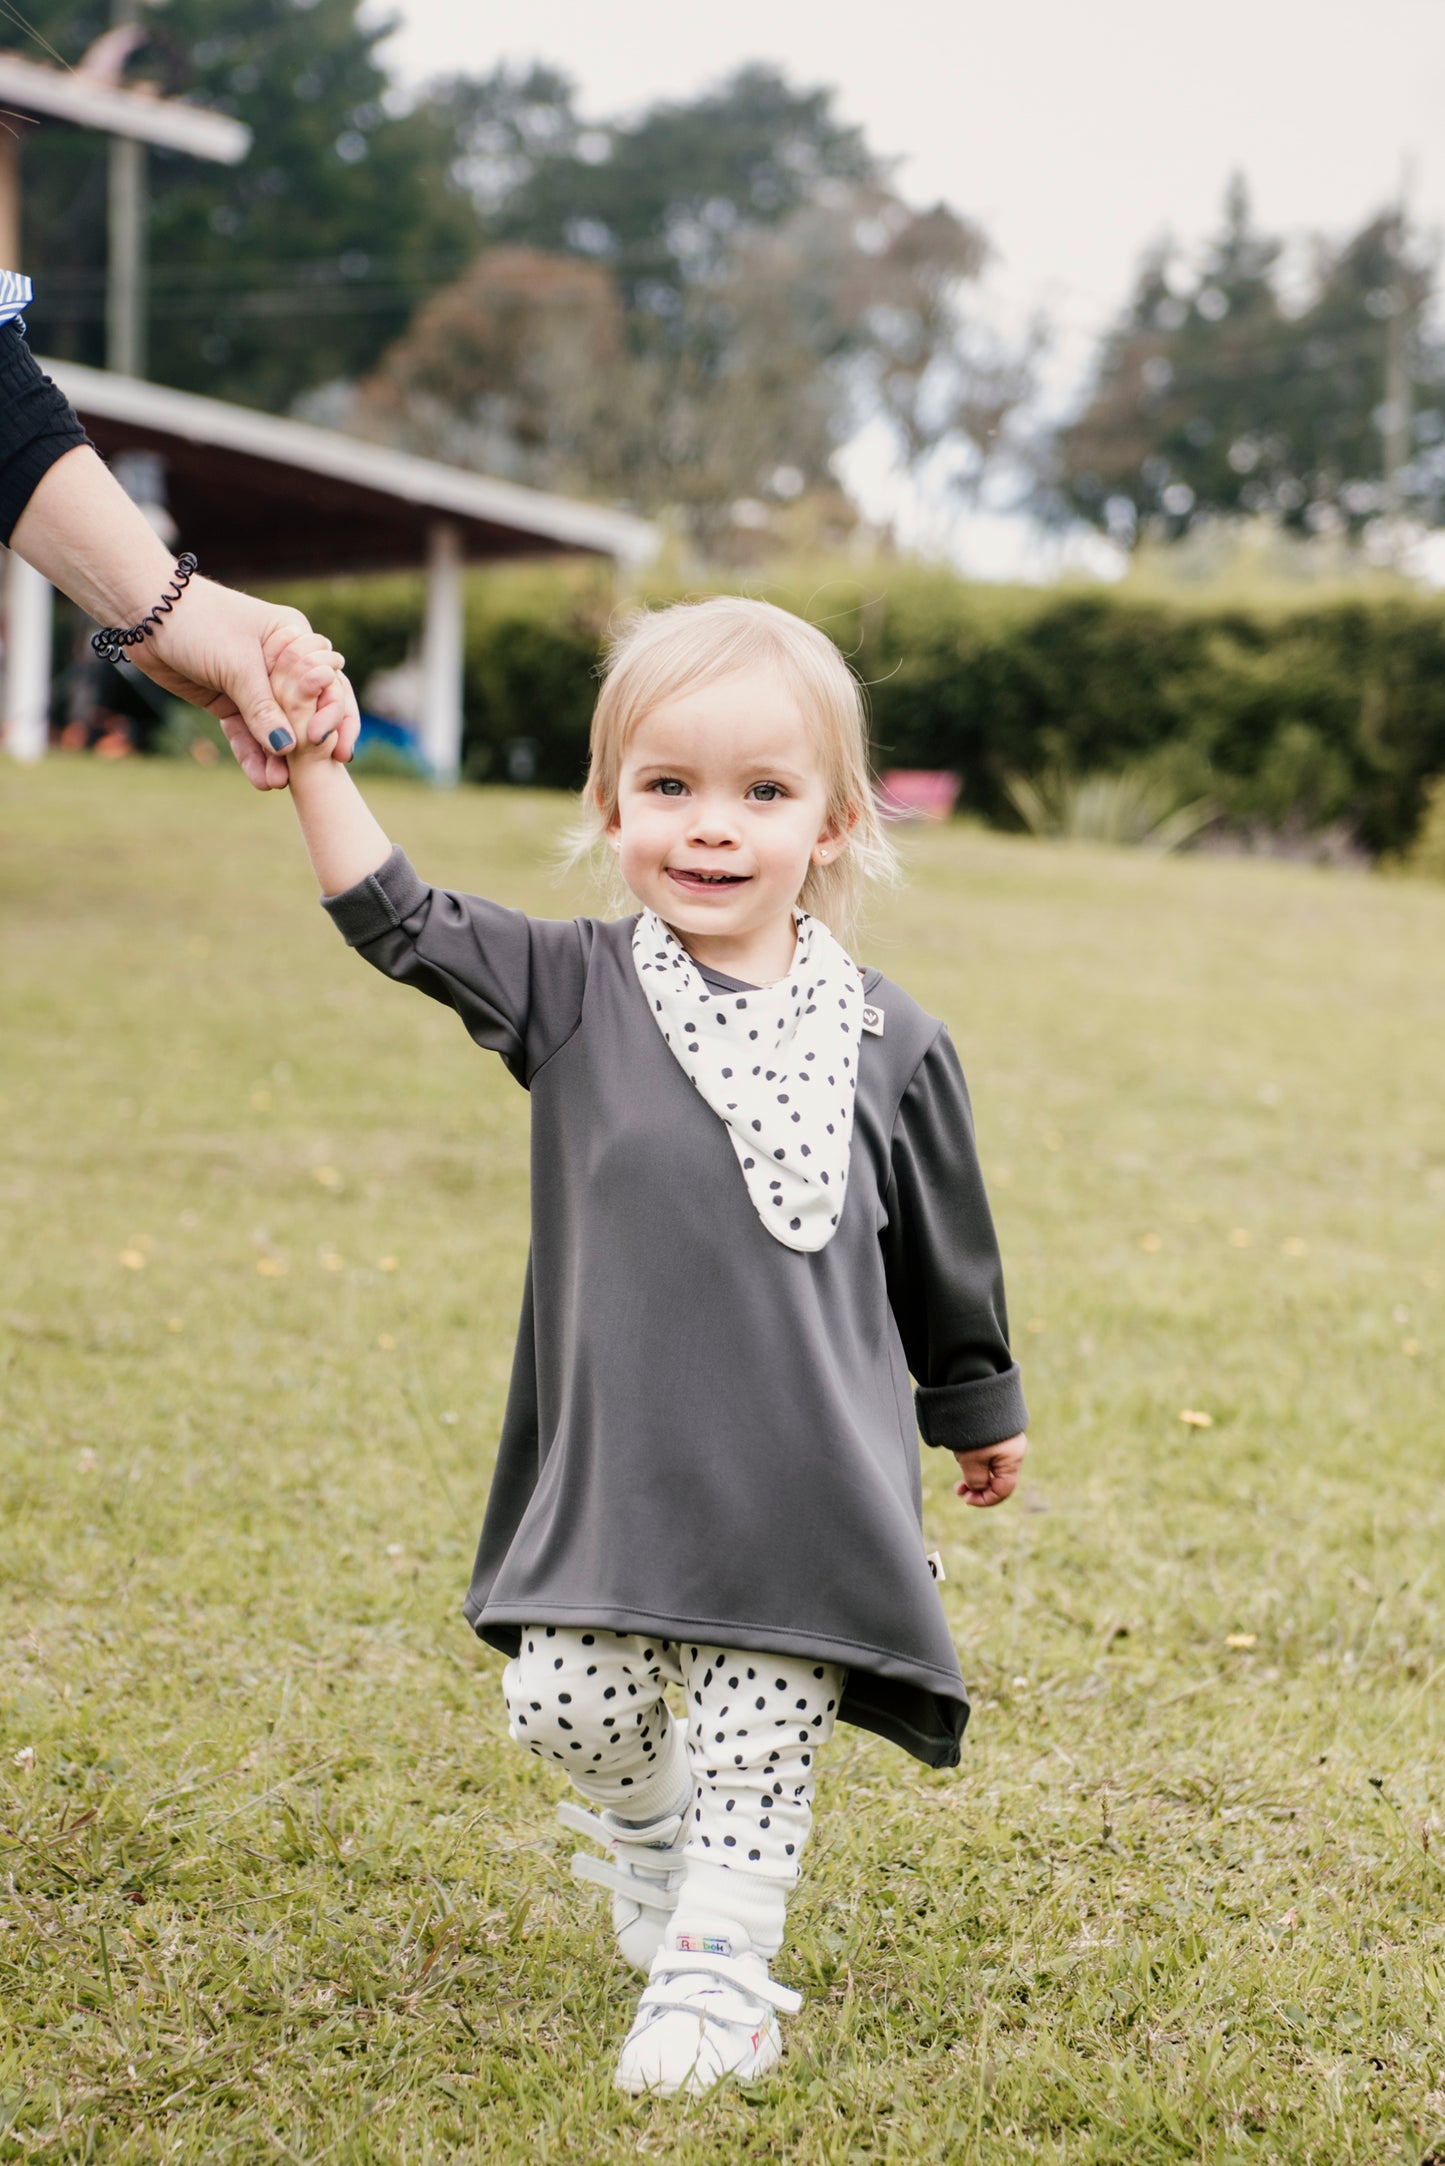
{"x": 1213, "y": 398}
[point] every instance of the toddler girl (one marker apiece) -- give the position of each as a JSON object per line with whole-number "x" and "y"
{"x": 756, "y": 1208}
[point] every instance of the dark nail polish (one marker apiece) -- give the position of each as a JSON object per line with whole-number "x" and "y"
{"x": 281, "y": 740}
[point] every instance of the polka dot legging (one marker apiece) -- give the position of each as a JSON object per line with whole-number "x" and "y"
{"x": 593, "y": 1702}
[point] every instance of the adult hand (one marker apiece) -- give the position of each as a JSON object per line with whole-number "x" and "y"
{"x": 217, "y": 648}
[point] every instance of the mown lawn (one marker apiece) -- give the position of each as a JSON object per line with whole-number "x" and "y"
{"x": 276, "y": 1886}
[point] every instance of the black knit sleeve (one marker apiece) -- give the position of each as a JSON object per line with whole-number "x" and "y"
{"x": 38, "y": 425}
{"x": 945, "y": 1281}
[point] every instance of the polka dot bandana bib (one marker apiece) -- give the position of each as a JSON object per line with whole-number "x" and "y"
{"x": 778, "y": 1065}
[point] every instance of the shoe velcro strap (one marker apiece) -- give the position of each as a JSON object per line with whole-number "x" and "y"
{"x": 729, "y": 1970}
{"x": 580, "y": 1821}
{"x": 615, "y": 1834}
{"x": 649, "y": 1893}
{"x": 706, "y": 2002}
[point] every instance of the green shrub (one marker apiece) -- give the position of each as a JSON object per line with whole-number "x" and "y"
{"x": 1299, "y": 716}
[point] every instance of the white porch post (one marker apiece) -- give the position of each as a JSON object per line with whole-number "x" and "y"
{"x": 29, "y": 607}
{"x": 441, "y": 653}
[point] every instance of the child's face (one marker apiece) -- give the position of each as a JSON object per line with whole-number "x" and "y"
{"x": 723, "y": 781}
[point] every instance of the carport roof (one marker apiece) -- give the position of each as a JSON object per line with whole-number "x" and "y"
{"x": 261, "y": 498}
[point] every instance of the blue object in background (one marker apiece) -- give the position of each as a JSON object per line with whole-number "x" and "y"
{"x": 397, "y": 737}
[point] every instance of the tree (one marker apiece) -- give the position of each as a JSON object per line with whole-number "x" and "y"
{"x": 1214, "y": 398}
{"x": 656, "y": 199}
{"x": 769, "y": 287}
{"x": 283, "y": 273}
{"x": 530, "y": 364}
{"x": 685, "y": 309}
{"x": 509, "y": 369}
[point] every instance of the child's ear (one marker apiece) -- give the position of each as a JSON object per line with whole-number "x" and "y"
{"x": 834, "y": 839}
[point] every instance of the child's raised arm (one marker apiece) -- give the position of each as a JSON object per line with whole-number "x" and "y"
{"x": 343, "y": 839}
{"x": 517, "y": 982}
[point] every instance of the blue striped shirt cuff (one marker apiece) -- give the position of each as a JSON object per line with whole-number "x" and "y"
{"x": 16, "y": 294}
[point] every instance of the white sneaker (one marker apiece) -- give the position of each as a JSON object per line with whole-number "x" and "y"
{"x": 708, "y": 2011}
{"x": 644, "y": 1873}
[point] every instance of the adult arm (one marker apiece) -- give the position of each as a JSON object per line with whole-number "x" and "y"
{"x": 63, "y": 511}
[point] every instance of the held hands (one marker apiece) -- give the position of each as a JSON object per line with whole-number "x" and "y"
{"x": 991, "y": 1473}
{"x": 218, "y": 638}
{"x": 313, "y": 701}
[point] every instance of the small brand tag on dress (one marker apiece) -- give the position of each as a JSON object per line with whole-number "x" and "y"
{"x": 935, "y": 1565}
{"x": 873, "y": 1021}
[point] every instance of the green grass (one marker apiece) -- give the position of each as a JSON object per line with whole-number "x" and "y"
{"x": 276, "y": 1886}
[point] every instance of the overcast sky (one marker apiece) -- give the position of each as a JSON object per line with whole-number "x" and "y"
{"x": 1074, "y": 131}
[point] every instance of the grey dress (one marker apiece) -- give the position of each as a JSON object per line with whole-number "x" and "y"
{"x": 709, "y": 1436}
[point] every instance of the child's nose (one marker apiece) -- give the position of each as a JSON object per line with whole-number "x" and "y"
{"x": 713, "y": 826}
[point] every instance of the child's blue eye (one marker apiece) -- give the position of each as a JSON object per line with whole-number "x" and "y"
{"x": 773, "y": 786}
{"x": 667, "y": 784}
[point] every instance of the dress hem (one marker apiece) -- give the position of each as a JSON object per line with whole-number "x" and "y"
{"x": 934, "y": 1747}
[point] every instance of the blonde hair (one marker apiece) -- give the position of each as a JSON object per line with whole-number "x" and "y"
{"x": 657, "y": 653}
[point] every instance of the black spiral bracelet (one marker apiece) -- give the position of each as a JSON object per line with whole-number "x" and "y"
{"x": 111, "y": 643}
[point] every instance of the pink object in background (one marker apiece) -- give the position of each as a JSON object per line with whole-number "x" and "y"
{"x": 917, "y": 793}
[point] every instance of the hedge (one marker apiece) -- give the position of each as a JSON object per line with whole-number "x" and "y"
{"x": 1322, "y": 712}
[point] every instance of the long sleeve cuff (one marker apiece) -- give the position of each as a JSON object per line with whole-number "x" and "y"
{"x": 967, "y": 1417}
{"x": 377, "y": 903}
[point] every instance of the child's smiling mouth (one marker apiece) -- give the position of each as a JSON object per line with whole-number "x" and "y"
{"x": 700, "y": 881}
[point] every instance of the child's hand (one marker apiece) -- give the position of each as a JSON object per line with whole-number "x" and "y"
{"x": 991, "y": 1473}
{"x": 307, "y": 683}
{"x": 317, "y": 702}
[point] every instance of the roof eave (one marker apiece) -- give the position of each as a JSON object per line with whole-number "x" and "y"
{"x": 425, "y": 483}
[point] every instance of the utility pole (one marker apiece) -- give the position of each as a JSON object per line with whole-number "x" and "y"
{"x": 125, "y": 285}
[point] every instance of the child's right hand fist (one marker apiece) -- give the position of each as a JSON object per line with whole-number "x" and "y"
{"x": 991, "y": 1473}
{"x": 308, "y": 685}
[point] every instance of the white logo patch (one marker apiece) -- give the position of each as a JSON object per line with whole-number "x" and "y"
{"x": 873, "y": 1021}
